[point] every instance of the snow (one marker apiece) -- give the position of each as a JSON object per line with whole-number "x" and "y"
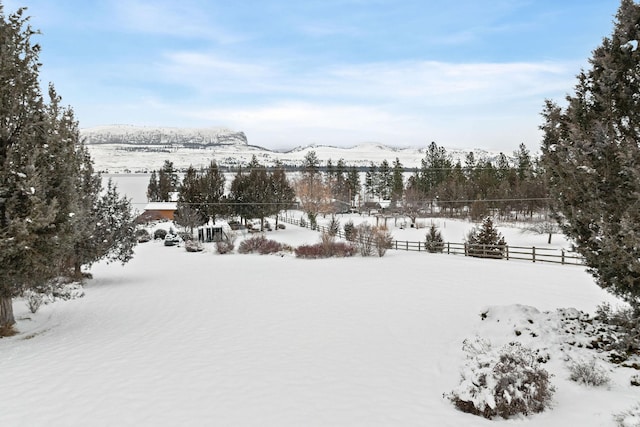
{"x": 177, "y": 338}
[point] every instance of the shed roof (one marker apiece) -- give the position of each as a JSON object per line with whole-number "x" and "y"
{"x": 161, "y": 206}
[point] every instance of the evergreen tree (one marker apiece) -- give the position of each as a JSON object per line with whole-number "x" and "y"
{"x": 212, "y": 201}
{"x": 167, "y": 182}
{"x": 434, "y": 241}
{"x": 384, "y": 180}
{"x": 281, "y": 192}
{"x": 371, "y": 180}
{"x": 486, "y": 241}
{"x": 353, "y": 183}
{"x": 397, "y": 182}
{"x": 591, "y": 157}
{"x": 48, "y": 191}
{"x": 188, "y": 212}
{"x": 27, "y": 216}
{"x": 114, "y": 235}
{"x": 153, "y": 190}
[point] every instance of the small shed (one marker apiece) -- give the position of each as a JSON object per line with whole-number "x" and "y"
{"x": 211, "y": 233}
{"x": 165, "y": 210}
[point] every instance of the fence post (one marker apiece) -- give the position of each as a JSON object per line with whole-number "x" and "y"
{"x": 465, "y": 250}
{"x": 448, "y": 248}
{"x": 407, "y": 244}
{"x": 507, "y": 250}
{"x": 533, "y": 252}
{"x": 562, "y": 254}
{"x": 419, "y": 244}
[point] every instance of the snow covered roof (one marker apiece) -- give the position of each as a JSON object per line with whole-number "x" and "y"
{"x": 161, "y": 206}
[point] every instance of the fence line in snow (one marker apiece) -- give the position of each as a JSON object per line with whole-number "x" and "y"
{"x": 507, "y": 252}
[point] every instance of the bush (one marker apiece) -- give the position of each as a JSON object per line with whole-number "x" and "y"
{"x": 505, "y": 382}
{"x": 589, "y": 373}
{"x": 142, "y": 235}
{"x": 629, "y": 418}
{"x": 259, "y": 244}
{"x": 327, "y": 248}
{"x": 33, "y": 300}
{"x": 193, "y": 246}
{"x": 364, "y": 238}
{"x": 334, "y": 226}
{"x": 303, "y": 222}
{"x": 434, "y": 242}
{"x": 623, "y": 337}
{"x": 485, "y": 241}
{"x": 185, "y": 236}
{"x": 383, "y": 240}
{"x": 160, "y": 233}
{"x": 224, "y": 247}
{"x": 350, "y": 232}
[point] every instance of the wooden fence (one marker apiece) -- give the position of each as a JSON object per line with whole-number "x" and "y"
{"x": 507, "y": 252}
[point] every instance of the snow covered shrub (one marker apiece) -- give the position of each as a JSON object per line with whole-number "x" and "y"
{"x": 350, "y": 231}
{"x": 33, "y": 300}
{"x": 635, "y": 380}
{"x": 628, "y": 418}
{"x": 364, "y": 238}
{"x": 303, "y": 222}
{"x": 328, "y": 247}
{"x": 589, "y": 373}
{"x": 434, "y": 241}
{"x": 143, "y": 235}
{"x": 334, "y": 226}
{"x": 259, "y": 244}
{"x": 225, "y": 246}
{"x": 485, "y": 241}
{"x": 193, "y": 246}
{"x": 383, "y": 240}
{"x": 67, "y": 291}
{"x": 622, "y": 335}
{"x": 185, "y": 236}
{"x": 160, "y": 233}
{"x": 503, "y": 382}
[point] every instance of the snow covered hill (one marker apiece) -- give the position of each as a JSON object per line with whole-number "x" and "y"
{"x": 118, "y": 149}
{"x": 145, "y": 136}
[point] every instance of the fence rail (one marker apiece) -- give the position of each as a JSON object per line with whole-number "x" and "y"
{"x": 507, "y": 252}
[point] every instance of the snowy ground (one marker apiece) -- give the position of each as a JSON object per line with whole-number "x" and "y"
{"x": 176, "y": 338}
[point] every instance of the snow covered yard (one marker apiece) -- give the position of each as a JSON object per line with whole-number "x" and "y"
{"x": 177, "y": 338}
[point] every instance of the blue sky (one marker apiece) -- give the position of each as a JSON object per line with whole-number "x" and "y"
{"x": 466, "y": 73}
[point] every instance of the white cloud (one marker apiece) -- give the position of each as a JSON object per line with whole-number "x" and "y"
{"x": 184, "y": 19}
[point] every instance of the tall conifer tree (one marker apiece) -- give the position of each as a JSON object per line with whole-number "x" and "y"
{"x": 591, "y": 155}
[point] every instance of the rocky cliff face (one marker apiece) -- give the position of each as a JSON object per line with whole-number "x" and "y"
{"x": 184, "y": 137}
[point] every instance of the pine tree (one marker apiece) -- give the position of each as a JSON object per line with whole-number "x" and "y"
{"x": 167, "y": 182}
{"x": 282, "y": 194}
{"x": 49, "y": 208}
{"x": 153, "y": 191}
{"x": 384, "y": 180}
{"x": 26, "y": 215}
{"x": 397, "y": 182}
{"x": 211, "y": 184}
{"x": 486, "y": 241}
{"x": 434, "y": 241}
{"x": 591, "y": 157}
{"x": 114, "y": 233}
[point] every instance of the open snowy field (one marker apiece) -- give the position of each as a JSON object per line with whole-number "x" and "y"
{"x": 176, "y": 338}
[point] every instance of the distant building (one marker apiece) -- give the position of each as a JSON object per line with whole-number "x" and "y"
{"x": 165, "y": 210}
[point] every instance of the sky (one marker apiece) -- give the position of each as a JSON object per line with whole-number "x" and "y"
{"x": 465, "y": 74}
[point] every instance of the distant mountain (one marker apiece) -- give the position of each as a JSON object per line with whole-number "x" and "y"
{"x": 118, "y": 149}
{"x": 141, "y": 135}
